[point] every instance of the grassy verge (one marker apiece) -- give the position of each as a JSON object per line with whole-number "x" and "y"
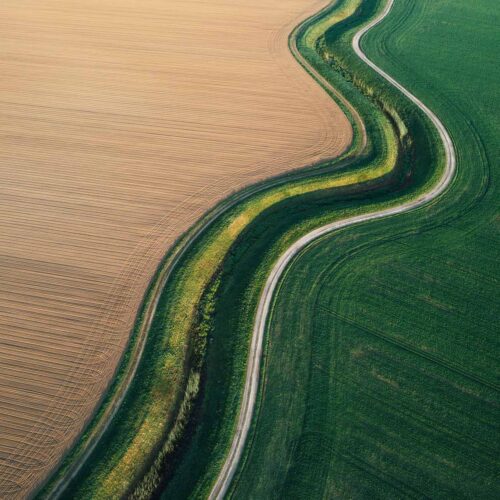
{"x": 149, "y": 411}
{"x": 418, "y": 163}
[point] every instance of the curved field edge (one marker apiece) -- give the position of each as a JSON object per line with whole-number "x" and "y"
{"x": 127, "y": 369}
{"x": 234, "y": 228}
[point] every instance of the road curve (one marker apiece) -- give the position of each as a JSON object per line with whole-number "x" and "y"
{"x": 228, "y": 470}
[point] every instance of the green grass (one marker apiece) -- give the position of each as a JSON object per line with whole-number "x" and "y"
{"x": 381, "y": 368}
{"x": 252, "y": 255}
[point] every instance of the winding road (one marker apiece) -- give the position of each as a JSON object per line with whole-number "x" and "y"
{"x": 228, "y": 470}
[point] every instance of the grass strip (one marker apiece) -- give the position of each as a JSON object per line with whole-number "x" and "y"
{"x": 149, "y": 413}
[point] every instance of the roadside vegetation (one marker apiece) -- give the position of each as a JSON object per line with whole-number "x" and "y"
{"x": 149, "y": 413}
{"x": 177, "y": 421}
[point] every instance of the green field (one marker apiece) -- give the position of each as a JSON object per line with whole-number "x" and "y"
{"x": 381, "y": 369}
{"x": 379, "y": 377}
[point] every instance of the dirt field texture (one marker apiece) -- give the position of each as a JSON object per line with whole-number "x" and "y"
{"x": 122, "y": 122}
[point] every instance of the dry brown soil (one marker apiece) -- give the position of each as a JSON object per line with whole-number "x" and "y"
{"x": 121, "y": 122}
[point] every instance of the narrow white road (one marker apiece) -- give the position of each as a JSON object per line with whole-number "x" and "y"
{"x": 228, "y": 470}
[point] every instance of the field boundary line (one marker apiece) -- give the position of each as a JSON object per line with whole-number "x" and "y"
{"x": 223, "y": 482}
{"x": 153, "y": 294}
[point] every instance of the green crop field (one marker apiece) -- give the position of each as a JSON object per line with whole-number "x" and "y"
{"x": 381, "y": 369}
{"x": 379, "y": 377}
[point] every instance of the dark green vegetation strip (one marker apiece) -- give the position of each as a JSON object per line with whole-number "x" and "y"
{"x": 419, "y": 159}
{"x": 152, "y": 413}
{"x": 381, "y": 375}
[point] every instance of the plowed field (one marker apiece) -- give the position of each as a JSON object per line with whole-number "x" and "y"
{"x": 121, "y": 123}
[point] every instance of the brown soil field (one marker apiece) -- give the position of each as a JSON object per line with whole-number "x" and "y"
{"x": 121, "y": 123}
